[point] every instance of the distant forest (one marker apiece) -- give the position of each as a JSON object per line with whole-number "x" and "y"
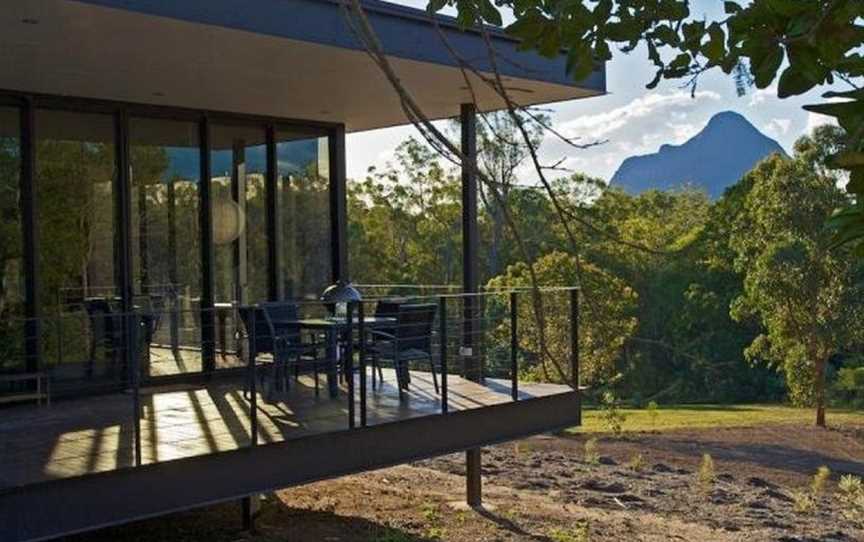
{"x": 699, "y": 301}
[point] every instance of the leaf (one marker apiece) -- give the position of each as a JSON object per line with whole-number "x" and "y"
{"x": 715, "y": 47}
{"x": 766, "y": 69}
{"x": 435, "y": 6}
{"x": 490, "y": 13}
{"x": 732, "y": 8}
{"x": 792, "y": 83}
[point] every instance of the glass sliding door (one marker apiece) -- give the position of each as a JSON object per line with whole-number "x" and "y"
{"x": 303, "y": 171}
{"x": 11, "y": 245}
{"x": 238, "y": 167}
{"x": 75, "y": 173}
{"x": 165, "y": 174}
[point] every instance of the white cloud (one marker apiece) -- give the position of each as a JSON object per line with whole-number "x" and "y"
{"x": 815, "y": 119}
{"x": 778, "y": 127}
{"x": 600, "y": 125}
{"x": 763, "y": 94}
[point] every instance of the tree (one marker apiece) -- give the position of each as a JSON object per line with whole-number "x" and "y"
{"x": 607, "y": 316}
{"x": 500, "y": 153}
{"x": 808, "y": 299}
{"x": 405, "y": 221}
{"x": 807, "y": 42}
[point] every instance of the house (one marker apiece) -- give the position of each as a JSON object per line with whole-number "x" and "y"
{"x": 164, "y": 164}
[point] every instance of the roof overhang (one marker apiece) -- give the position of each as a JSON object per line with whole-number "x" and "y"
{"x": 296, "y": 59}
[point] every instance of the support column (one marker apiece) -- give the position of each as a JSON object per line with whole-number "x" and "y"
{"x": 205, "y": 222}
{"x": 274, "y": 230}
{"x": 338, "y": 205}
{"x": 470, "y": 284}
{"x": 238, "y": 194}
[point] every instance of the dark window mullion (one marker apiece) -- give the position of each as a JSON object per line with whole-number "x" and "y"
{"x": 205, "y": 218}
{"x": 273, "y": 210}
{"x": 30, "y": 238}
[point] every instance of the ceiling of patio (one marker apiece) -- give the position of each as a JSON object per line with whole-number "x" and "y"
{"x": 139, "y": 54}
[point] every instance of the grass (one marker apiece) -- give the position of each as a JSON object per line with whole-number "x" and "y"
{"x": 667, "y": 417}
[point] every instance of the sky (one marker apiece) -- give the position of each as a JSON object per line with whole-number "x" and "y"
{"x": 633, "y": 119}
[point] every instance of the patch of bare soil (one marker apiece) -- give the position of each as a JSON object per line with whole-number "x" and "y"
{"x": 542, "y": 490}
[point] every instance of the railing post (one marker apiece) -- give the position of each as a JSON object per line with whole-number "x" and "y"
{"x": 253, "y": 377}
{"x": 514, "y": 347}
{"x": 361, "y": 330}
{"x": 574, "y": 338}
{"x": 349, "y": 363}
{"x": 442, "y": 334}
{"x": 133, "y": 323}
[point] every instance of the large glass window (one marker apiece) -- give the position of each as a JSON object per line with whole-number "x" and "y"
{"x": 303, "y": 199}
{"x": 11, "y": 279}
{"x": 166, "y": 258}
{"x": 75, "y": 171}
{"x": 239, "y": 166}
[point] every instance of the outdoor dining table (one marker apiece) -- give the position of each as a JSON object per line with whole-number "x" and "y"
{"x": 334, "y": 329}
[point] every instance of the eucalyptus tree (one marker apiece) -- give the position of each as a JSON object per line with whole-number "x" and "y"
{"x": 808, "y": 299}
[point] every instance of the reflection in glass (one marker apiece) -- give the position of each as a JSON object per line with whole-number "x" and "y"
{"x": 75, "y": 170}
{"x": 239, "y": 166}
{"x": 166, "y": 261}
{"x": 11, "y": 280}
{"x": 303, "y": 198}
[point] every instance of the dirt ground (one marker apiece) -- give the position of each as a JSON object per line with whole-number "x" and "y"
{"x": 542, "y": 489}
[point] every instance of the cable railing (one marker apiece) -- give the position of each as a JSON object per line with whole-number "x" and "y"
{"x": 133, "y": 392}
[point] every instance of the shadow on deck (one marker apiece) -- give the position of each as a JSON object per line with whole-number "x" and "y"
{"x": 95, "y": 434}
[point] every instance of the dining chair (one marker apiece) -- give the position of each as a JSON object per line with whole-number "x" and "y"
{"x": 410, "y": 340}
{"x": 272, "y": 328}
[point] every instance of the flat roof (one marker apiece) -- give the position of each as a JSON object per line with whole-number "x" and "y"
{"x": 295, "y": 59}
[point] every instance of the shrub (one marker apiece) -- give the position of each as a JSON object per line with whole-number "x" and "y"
{"x": 591, "y": 456}
{"x": 636, "y": 463}
{"x": 805, "y": 501}
{"x": 851, "y": 496}
{"x": 613, "y": 418}
{"x": 652, "y": 412}
{"x": 706, "y": 474}
{"x": 581, "y": 532}
{"x": 817, "y": 485}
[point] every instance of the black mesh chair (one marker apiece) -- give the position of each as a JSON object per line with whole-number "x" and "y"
{"x": 272, "y": 328}
{"x": 385, "y": 308}
{"x": 410, "y": 340}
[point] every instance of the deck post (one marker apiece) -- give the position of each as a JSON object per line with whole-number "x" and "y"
{"x": 470, "y": 281}
{"x": 574, "y": 338}
{"x": 514, "y": 347}
{"x": 338, "y": 205}
{"x": 208, "y": 280}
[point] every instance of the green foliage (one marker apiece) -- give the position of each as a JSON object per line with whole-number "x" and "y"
{"x": 848, "y": 387}
{"x": 581, "y": 532}
{"x": 613, "y": 418}
{"x": 653, "y": 412}
{"x": 706, "y": 475}
{"x": 604, "y": 327}
{"x": 805, "y": 501}
{"x": 808, "y": 43}
{"x": 851, "y": 496}
{"x": 817, "y": 485}
{"x": 690, "y": 416}
{"x": 808, "y": 299}
{"x": 591, "y": 454}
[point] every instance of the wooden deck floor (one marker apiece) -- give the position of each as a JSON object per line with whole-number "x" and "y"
{"x": 89, "y": 435}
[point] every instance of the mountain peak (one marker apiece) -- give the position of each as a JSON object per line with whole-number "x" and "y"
{"x": 718, "y": 156}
